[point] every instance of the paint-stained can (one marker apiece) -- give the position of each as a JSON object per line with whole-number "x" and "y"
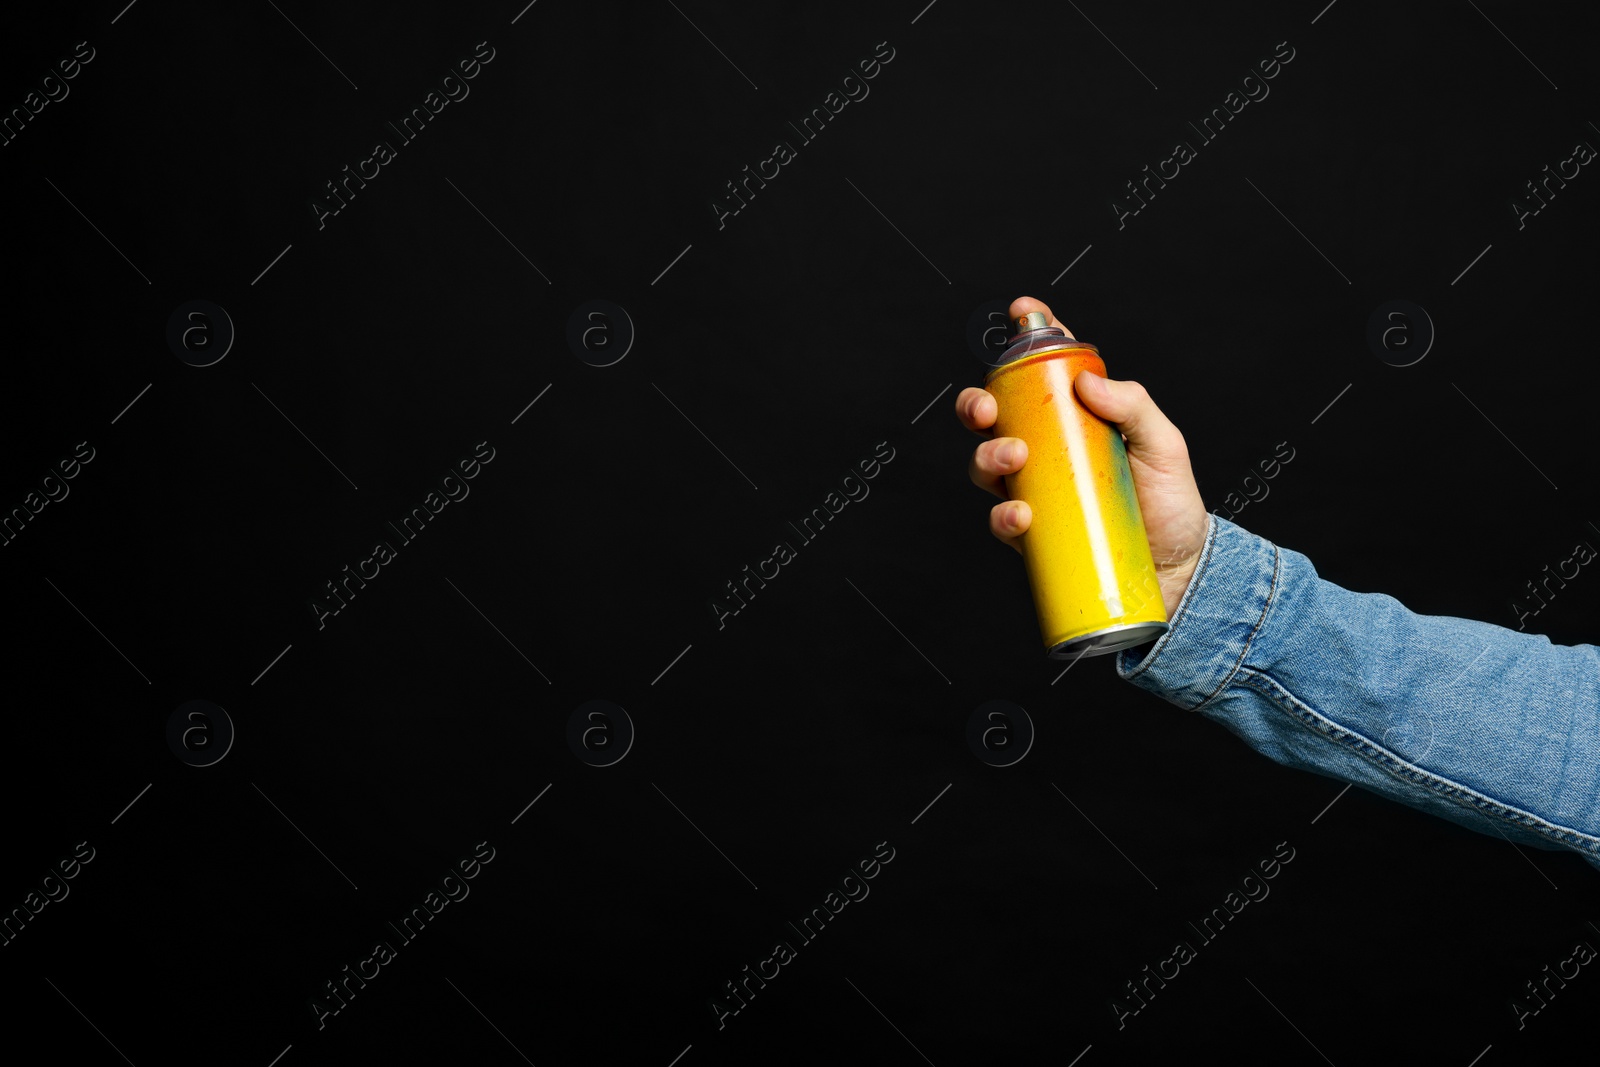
{"x": 1087, "y": 554}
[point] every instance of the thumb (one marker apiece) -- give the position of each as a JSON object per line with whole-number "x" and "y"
{"x": 1128, "y": 407}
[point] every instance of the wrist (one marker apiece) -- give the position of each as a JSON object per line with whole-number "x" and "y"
{"x": 1175, "y": 573}
{"x": 1174, "y": 584}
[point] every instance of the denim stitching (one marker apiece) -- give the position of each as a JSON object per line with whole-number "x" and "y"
{"x": 1245, "y": 651}
{"x": 1393, "y": 765}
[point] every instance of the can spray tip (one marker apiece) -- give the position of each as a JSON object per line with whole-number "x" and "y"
{"x": 1034, "y": 334}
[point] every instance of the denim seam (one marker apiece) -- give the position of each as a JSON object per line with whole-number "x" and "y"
{"x": 1183, "y": 604}
{"x": 1406, "y": 772}
{"x": 1266, "y": 607}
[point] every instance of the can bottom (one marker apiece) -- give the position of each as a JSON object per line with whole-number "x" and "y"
{"x": 1110, "y": 639}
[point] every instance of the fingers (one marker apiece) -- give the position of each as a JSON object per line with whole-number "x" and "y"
{"x": 977, "y": 409}
{"x": 1010, "y": 520}
{"x": 1024, "y": 304}
{"x": 993, "y": 460}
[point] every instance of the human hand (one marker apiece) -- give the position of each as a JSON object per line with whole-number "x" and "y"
{"x": 1175, "y": 518}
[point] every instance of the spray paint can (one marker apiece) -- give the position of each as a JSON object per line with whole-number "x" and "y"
{"x": 1087, "y": 554}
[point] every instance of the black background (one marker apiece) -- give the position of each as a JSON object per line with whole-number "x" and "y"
{"x": 771, "y": 355}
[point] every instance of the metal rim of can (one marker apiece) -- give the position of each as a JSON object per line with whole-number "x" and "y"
{"x": 1144, "y": 633}
{"x": 1065, "y": 346}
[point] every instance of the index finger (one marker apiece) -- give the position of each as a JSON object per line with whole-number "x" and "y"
{"x": 1022, "y": 305}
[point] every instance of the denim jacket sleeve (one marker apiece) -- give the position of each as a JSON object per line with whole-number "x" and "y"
{"x": 1491, "y": 728}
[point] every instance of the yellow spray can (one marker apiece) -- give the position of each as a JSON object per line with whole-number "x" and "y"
{"x": 1087, "y": 554}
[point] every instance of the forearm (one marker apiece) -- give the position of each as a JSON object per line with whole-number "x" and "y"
{"x": 1488, "y": 727}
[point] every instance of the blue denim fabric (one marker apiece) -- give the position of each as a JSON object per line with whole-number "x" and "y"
{"x": 1491, "y": 728}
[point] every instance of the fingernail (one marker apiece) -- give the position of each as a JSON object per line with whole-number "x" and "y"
{"x": 1014, "y": 517}
{"x": 1006, "y": 454}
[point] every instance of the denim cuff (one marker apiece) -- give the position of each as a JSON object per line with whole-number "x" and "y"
{"x": 1217, "y": 619}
